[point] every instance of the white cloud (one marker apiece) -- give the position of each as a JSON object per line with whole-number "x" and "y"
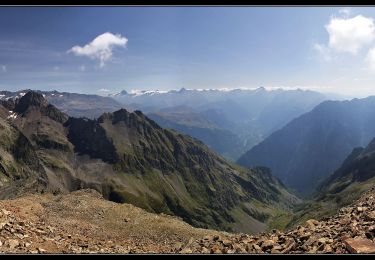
{"x": 3, "y": 68}
{"x": 103, "y": 90}
{"x": 101, "y": 48}
{"x": 351, "y": 34}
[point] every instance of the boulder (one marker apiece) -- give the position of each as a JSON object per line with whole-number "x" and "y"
{"x": 360, "y": 246}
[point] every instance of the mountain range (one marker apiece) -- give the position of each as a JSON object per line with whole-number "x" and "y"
{"x": 309, "y": 148}
{"x": 73, "y": 104}
{"x": 129, "y": 158}
{"x": 229, "y": 121}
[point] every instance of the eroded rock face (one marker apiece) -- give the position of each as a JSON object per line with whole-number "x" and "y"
{"x": 352, "y": 230}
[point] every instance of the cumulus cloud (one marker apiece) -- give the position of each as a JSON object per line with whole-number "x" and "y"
{"x": 101, "y": 48}
{"x": 350, "y": 34}
{"x": 3, "y": 68}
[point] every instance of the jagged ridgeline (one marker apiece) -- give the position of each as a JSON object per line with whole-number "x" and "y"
{"x": 130, "y": 159}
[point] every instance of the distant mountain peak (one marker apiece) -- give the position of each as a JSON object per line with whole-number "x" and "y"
{"x": 30, "y": 99}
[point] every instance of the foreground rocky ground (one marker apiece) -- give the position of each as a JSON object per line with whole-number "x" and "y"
{"x": 83, "y": 222}
{"x": 352, "y": 230}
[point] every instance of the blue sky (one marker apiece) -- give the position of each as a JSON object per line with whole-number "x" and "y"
{"x": 322, "y": 48}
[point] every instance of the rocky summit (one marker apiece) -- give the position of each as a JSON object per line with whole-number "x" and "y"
{"x": 84, "y": 222}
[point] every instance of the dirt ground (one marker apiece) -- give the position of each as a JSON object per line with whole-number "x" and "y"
{"x": 83, "y": 222}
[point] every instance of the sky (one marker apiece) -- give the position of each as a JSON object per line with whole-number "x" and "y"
{"x": 102, "y": 50}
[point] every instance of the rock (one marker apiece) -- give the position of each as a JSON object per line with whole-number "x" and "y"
{"x": 369, "y": 235}
{"x": 313, "y": 250}
{"x": 5, "y": 212}
{"x": 310, "y": 241}
{"x": 328, "y": 249}
{"x": 323, "y": 240}
{"x": 41, "y": 250}
{"x": 370, "y": 216}
{"x": 178, "y": 246}
{"x": 216, "y": 250}
{"x": 216, "y": 237}
{"x": 239, "y": 250}
{"x": 13, "y": 243}
{"x": 312, "y": 223}
{"x": 359, "y": 209}
{"x": 289, "y": 247}
{"x": 360, "y": 245}
{"x": 207, "y": 238}
{"x": 205, "y": 250}
{"x": 257, "y": 248}
{"x": 249, "y": 248}
{"x": 345, "y": 221}
{"x": 226, "y": 242}
{"x": 305, "y": 236}
{"x": 268, "y": 244}
{"x": 2, "y": 225}
{"x": 276, "y": 249}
